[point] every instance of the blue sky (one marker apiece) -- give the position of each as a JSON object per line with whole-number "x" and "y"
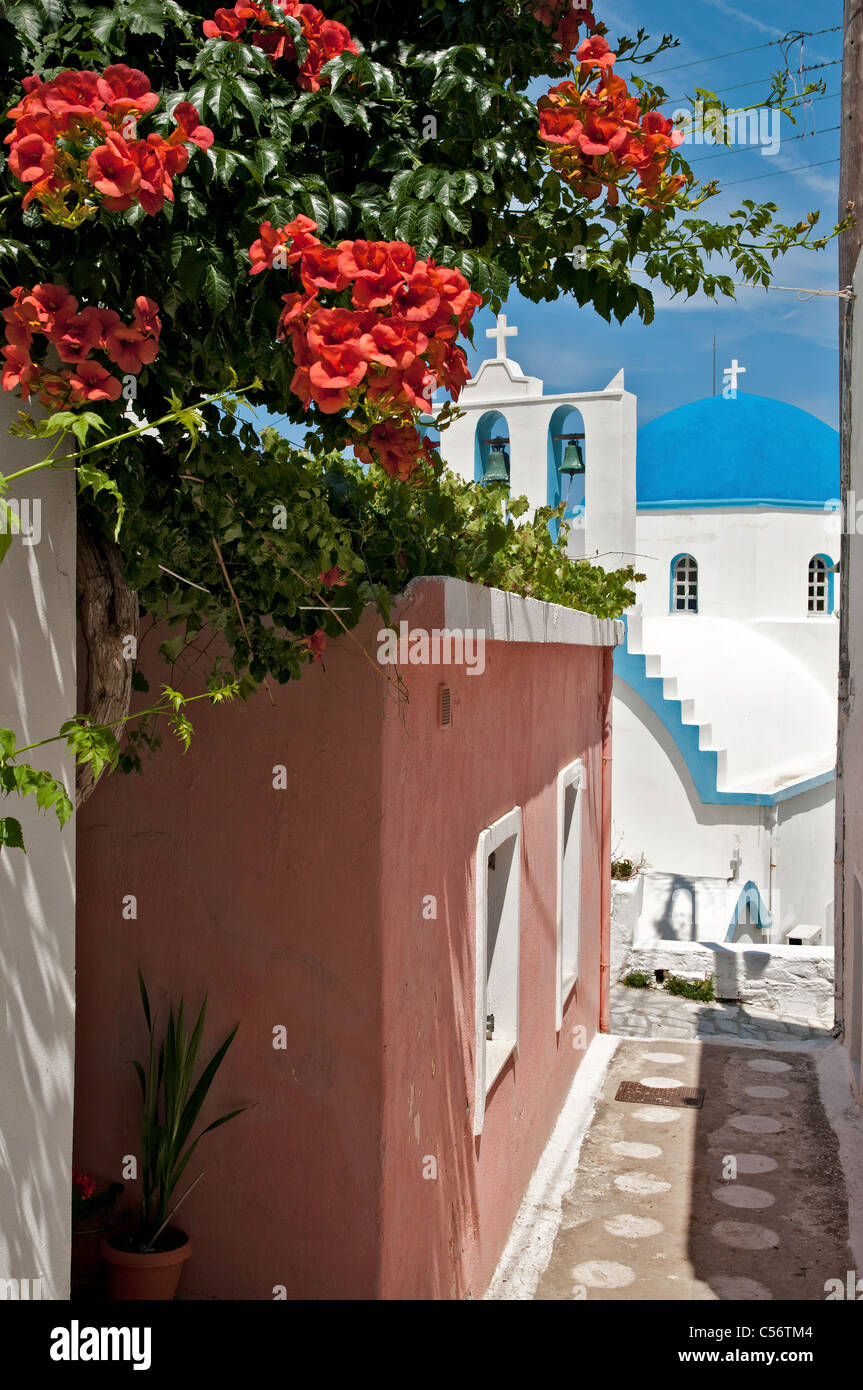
{"x": 789, "y": 348}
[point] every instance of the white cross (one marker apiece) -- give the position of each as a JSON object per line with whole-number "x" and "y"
{"x": 731, "y": 374}
{"x": 501, "y": 333}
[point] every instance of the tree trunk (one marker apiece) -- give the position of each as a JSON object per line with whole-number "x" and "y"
{"x": 108, "y": 618}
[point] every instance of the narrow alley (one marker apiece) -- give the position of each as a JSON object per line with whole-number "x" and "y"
{"x": 744, "y": 1198}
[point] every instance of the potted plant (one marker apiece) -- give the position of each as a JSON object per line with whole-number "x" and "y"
{"x": 92, "y": 1201}
{"x": 147, "y": 1262}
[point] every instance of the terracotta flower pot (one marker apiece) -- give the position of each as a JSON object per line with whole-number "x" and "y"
{"x": 137, "y": 1275}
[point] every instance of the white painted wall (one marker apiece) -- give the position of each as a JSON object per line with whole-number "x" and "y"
{"x": 610, "y": 428}
{"x": 772, "y": 714}
{"x": 752, "y": 562}
{"x": 37, "y": 891}
{"x": 795, "y": 982}
{"x": 657, "y": 812}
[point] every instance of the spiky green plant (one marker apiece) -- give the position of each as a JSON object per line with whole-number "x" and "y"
{"x": 172, "y": 1103}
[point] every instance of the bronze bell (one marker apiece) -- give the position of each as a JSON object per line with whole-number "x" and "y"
{"x": 573, "y": 460}
{"x": 496, "y": 469}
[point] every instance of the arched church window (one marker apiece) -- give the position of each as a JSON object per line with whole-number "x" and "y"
{"x": 684, "y": 584}
{"x": 820, "y": 584}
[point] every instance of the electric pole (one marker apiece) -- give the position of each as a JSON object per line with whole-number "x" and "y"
{"x": 850, "y": 242}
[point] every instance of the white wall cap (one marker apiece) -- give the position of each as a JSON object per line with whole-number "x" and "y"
{"x": 507, "y": 617}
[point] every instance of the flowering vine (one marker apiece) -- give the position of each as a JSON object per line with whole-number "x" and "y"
{"x": 567, "y": 16}
{"x": 51, "y": 312}
{"x": 383, "y": 351}
{"x": 322, "y": 38}
{"x": 75, "y": 143}
{"x": 599, "y": 137}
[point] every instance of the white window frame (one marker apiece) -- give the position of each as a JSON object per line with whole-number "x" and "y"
{"x": 491, "y": 1057}
{"x": 819, "y": 578}
{"x": 685, "y": 577}
{"x": 572, "y": 776}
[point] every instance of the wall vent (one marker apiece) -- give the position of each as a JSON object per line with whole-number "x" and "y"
{"x": 444, "y": 706}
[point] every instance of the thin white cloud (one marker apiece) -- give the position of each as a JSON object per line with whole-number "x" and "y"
{"x": 745, "y": 18}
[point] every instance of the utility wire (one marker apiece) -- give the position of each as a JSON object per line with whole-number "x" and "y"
{"x": 822, "y": 163}
{"x": 815, "y": 67}
{"x": 788, "y": 38}
{"x": 796, "y": 101}
{"x": 750, "y": 149}
{"x": 798, "y": 290}
{"x": 757, "y": 81}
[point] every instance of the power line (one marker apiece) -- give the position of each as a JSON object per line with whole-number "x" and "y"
{"x": 757, "y": 81}
{"x": 788, "y": 38}
{"x": 776, "y": 172}
{"x": 748, "y": 149}
{"x": 798, "y": 290}
{"x": 796, "y": 101}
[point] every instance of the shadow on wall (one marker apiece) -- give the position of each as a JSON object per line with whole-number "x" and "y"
{"x": 37, "y": 900}
{"x": 678, "y": 920}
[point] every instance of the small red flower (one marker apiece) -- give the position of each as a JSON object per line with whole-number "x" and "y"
{"x": 316, "y": 645}
{"x": 129, "y": 348}
{"x": 595, "y": 52}
{"x": 19, "y": 373}
{"x": 124, "y": 90}
{"x": 76, "y": 337}
{"x": 146, "y": 316}
{"x": 114, "y": 173}
{"x": 92, "y": 382}
{"x": 189, "y": 122}
{"x": 225, "y": 24}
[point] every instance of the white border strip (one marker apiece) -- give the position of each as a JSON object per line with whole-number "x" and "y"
{"x": 489, "y": 840}
{"x": 571, "y": 776}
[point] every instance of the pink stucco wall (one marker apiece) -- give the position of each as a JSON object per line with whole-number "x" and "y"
{"x": 304, "y": 908}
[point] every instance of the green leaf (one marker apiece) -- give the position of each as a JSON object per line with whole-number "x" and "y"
{"x": 10, "y": 833}
{"x": 97, "y": 480}
{"x": 318, "y": 207}
{"x": 344, "y": 105}
{"x": 250, "y": 96}
{"x": 147, "y": 17}
{"x": 145, "y": 1000}
{"x": 10, "y": 523}
{"x": 26, "y": 19}
{"x": 171, "y": 649}
{"x": 217, "y": 290}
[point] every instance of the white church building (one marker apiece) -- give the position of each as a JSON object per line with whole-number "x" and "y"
{"x": 725, "y": 691}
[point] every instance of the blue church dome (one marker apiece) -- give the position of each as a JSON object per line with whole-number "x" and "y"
{"x": 743, "y": 452}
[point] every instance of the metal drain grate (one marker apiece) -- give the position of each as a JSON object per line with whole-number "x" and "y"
{"x": 681, "y": 1097}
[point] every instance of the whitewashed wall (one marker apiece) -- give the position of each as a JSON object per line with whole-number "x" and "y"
{"x": 753, "y": 562}
{"x": 37, "y": 890}
{"x": 657, "y": 813}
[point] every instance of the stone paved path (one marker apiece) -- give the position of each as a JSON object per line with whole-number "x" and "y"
{"x": 743, "y": 1199}
{"x": 654, "y": 1013}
